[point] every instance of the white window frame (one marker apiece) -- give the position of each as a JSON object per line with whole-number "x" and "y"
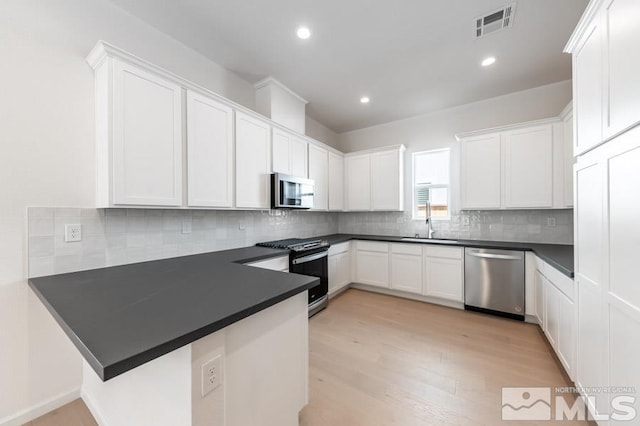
{"x": 414, "y": 207}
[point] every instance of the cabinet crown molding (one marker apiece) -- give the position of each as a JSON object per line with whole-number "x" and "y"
{"x": 590, "y": 12}
{"x": 516, "y": 126}
{"x": 400, "y": 147}
{"x": 272, "y": 81}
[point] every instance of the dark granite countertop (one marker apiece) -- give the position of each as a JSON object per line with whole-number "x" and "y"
{"x": 560, "y": 256}
{"x": 123, "y": 316}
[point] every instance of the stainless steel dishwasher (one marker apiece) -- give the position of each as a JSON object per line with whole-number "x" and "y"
{"x": 494, "y": 281}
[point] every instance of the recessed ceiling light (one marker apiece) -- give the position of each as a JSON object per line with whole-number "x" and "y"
{"x": 488, "y": 61}
{"x": 303, "y": 33}
{"x": 364, "y": 100}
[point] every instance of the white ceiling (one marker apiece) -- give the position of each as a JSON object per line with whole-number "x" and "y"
{"x": 409, "y": 56}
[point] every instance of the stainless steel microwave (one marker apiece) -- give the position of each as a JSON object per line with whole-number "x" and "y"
{"x": 291, "y": 192}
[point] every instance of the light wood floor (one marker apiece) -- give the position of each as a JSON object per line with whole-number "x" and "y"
{"x": 75, "y": 413}
{"x": 381, "y": 360}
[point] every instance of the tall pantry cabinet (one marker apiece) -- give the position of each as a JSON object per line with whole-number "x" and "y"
{"x": 606, "y": 65}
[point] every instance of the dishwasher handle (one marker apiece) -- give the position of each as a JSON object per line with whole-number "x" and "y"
{"x": 493, "y": 256}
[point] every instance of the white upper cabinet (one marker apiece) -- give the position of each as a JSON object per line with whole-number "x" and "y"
{"x": 138, "y": 137}
{"x": 386, "y": 180}
{"x": 587, "y": 90}
{"x": 209, "y": 152}
{"x": 528, "y": 167}
{"x": 374, "y": 180}
{"x": 567, "y": 154}
{"x": 521, "y": 166}
{"x": 298, "y": 157}
{"x": 253, "y": 162}
{"x": 289, "y": 154}
{"x": 358, "y": 183}
{"x": 319, "y": 173}
{"x": 622, "y": 65}
{"x": 480, "y": 172}
{"x": 336, "y": 182}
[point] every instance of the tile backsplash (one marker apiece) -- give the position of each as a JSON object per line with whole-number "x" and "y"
{"x": 119, "y": 236}
{"x": 497, "y": 225}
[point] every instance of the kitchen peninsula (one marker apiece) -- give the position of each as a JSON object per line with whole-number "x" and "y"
{"x": 153, "y": 335}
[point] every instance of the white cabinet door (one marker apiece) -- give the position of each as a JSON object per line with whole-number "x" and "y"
{"x": 528, "y": 172}
{"x": 540, "y": 298}
{"x": 336, "y": 182}
{"x": 147, "y": 138}
{"x": 567, "y": 143}
{"x": 386, "y": 182}
{"x": 623, "y": 64}
{"x": 552, "y": 313}
{"x": 566, "y": 332}
{"x": 339, "y": 271}
{"x": 589, "y": 242}
{"x": 298, "y": 157}
{"x": 406, "y": 268}
{"x": 480, "y": 172}
{"x": 372, "y": 263}
{"x": 358, "y": 182}
{"x": 332, "y": 268}
{"x": 444, "y": 273}
{"x": 253, "y": 162}
{"x": 209, "y": 152}
{"x": 289, "y": 154}
{"x": 587, "y": 90}
{"x": 280, "y": 151}
{"x": 319, "y": 172}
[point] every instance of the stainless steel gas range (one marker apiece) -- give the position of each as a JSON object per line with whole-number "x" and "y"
{"x": 308, "y": 257}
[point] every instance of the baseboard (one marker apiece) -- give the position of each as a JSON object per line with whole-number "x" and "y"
{"x": 405, "y": 295}
{"x": 95, "y": 412}
{"x": 40, "y": 409}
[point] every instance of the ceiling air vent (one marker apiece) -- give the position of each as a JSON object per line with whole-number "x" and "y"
{"x": 495, "y": 21}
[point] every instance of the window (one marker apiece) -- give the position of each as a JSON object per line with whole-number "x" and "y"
{"x": 431, "y": 183}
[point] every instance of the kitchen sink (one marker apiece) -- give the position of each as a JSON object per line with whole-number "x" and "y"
{"x": 430, "y": 240}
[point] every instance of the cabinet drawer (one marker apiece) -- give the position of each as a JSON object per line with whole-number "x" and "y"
{"x": 277, "y": 264}
{"x": 339, "y": 248}
{"x": 373, "y": 246}
{"x": 540, "y": 265}
{"x": 414, "y": 249}
{"x": 561, "y": 281}
{"x": 445, "y": 252}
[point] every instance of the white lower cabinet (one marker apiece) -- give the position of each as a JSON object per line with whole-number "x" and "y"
{"x": 556, "y": 312}
{"x": 277, "y": 264}
{"x": 339, "y": 267}
{"x": 406, "y": 267}
{"x": 539, "y": 297}
{"x": 372, "y": 263}
{"x": 443, "y": 272}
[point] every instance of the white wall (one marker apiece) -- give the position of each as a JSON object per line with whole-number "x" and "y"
{"x": 438, "y": 129}
{"x": 46, "y": 137}
{"x": 322, "y": 133}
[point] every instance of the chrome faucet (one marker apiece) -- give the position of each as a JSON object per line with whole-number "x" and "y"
{"x": 428, "y": 220}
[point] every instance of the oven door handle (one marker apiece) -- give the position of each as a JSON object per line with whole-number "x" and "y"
{"x": 309, "y": 258}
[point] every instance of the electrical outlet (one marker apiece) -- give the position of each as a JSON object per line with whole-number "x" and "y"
{"x": 551, "y": 221}
{"x": 186, "y": 226}
{"x": 211, "y": 375}
{"x": 242, "y": 226}
{"x": 465, "y": 220}
{"x": 72, "y": 232}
